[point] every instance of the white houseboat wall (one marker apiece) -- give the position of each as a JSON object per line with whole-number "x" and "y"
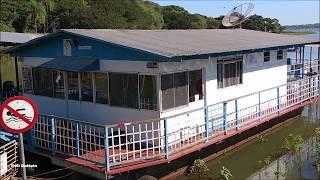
{"x": 157, "y": 98}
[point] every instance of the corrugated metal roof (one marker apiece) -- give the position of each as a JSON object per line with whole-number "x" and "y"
{"x": 74, "y": 64}
{"x": 17, "y": 38}
{"x": 173, "y": 43}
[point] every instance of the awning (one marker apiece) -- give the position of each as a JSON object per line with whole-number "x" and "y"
{"x": 74, "y": 64}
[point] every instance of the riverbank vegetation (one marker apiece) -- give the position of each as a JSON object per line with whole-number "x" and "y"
{"x": 45, "y": 16}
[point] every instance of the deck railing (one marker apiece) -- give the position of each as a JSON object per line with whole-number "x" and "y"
{"x": 9, "y": 158}
{"x": 119, "y": 144}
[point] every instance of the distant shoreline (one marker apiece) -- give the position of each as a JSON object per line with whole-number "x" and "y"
{"x": 298, "y": 32}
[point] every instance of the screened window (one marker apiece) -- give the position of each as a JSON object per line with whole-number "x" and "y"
{"x": 42, "y": 82}
{"x": 280, "y": 55}
{"x": 27, "y": 80}
{"x": 86, "y": 86}
{"x": 195, "y": 85}
{"x": 147, "y": 91}
{"x": 266, "y": 56}
{"x": 229, "y": 73}
{"x": 102, "y": 87}
{"x": 174, "y": 90}
{"x": 58, "y": 84}
{"x": 73, "y": 85}
{"x": 124, "y": 90}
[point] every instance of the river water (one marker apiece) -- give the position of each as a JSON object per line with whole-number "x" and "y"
{"x": 266, "y": 158}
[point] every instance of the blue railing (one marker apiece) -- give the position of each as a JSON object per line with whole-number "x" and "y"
{"x": 119, "y": 144}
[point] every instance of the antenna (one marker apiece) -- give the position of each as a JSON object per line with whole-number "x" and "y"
{"x": 238, "y": 15}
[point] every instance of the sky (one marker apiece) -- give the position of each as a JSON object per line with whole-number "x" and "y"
{"x": 288, "y": 12}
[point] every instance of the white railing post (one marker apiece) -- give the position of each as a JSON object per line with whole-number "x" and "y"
{"x": 106, "y": 148}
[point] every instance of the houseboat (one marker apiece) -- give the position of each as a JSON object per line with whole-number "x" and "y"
{"x": 113, "y": 101}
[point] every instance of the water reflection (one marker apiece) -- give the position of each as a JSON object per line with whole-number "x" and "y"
{"x": 292, "y": 165}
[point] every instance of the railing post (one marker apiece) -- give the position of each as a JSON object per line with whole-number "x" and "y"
{"x": 259, "y": 105}
{"x": 166, "y": 141}
{"x": 301, "y": 90}
{"x": 206, "y": 120}
{"x": 53, "y": 136}
{"x": 278, "y": 99}
{"x": 32, "y": 137}
{"x": 225, "y": 128}
{"x": 236, "y": 113}
{"x": 77, "y": 139}
{"x": 106, "y": 148}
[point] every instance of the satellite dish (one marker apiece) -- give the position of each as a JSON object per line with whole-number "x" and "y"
{"x": 238, "y": 15}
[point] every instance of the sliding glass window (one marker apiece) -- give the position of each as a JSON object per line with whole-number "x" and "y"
{"x": 102, "y": 88}
{"x": 86, "y": 86}
{"x": 124, "y": 90}
{"x": 73, "y": 85}
{"x": 148, "y": 92}
{"x": 58, "y": 84}
{"x": 27, "y": 80}
{"x": 42, "y": 82}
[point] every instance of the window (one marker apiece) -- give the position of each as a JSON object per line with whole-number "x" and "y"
{"x": 73, "y": 85}
{"x": 280, "y": 55}
{"x": 195, "y": 85}
{"x": 67, "y": 47}
{"x": 27, "y": 80}
{"x": 266, "y": 56}
{"x": 124, "y": 90}
{"x": 102, "y": 88}
{"x": 58, "y": 84}
{"x": 148, "y": 92}
{"x": 86, "y": 86}
{"x": 229, "y": 73}
{"x": 174, "y": 90}
{"x": 42, "y": 82}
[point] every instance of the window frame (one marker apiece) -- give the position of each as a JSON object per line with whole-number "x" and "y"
{"x": 31, "y": 79}
{"x": 280, "y": 56}
{"x": 266, "y": 58}
{"x": 221, "y": 79}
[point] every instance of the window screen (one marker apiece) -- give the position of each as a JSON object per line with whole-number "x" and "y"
{"x": 102, "y": 87}
{"x": 27, "y": 80}
{"x": 73, "y": 87}
{"x": 86, "y": 86}
{"x": 124, "y": 90}
{"x": 58, "y": 84}
{"x": 229, "y": 73}
{"x": 174, "y": 89}
{"x": 280, "y": 55}
{"x": 148, "y": 92}
{"x": 195, "y": 85}
{"x": 167, "y": 91}
{"x": 181, "y": 89}
{"x": 266, "y": 56}
{"x": 42, "y": 82}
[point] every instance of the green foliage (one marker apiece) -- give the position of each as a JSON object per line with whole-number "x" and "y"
{"x": 199, "y": 170}
{"x": 294, "y": 143}
{"x": 43, "y": 16}
{"x": 225, "y": 173}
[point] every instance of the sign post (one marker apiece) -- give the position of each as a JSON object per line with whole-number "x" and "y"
{"x": 18, "y": 115}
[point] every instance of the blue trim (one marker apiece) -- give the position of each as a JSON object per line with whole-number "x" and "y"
{"x": 232, "y": 53}
{"x": 53, "y": 136}
{"x": 77, "y": 139}
{"x": 166, "y": 141}
{"x": 106, "y": 149}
